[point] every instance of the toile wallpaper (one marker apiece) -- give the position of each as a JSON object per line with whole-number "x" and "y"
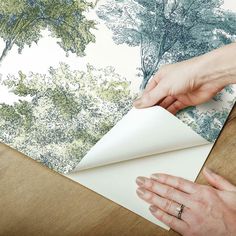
{"x": 70, "y": 69}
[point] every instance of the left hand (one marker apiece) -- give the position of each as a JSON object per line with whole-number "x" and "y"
{"x": 208, "y": 210}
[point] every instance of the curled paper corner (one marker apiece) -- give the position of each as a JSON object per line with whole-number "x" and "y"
{"x": 140, "y": 133}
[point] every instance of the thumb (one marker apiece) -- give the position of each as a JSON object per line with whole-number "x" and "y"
{"x": 151, "y": 98}
{"x": 218, "y": 181}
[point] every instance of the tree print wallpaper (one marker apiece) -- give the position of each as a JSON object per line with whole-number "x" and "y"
{"x": 70, "y": 69}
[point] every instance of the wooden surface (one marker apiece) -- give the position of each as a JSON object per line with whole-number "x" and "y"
{"x": 37, "y": 201}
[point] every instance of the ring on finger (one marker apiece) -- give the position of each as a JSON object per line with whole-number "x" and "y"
{"x": 180, "y": 210}
{"x": 170, "y": 207}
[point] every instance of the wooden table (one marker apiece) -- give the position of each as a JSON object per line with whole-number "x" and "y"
{"x": 37, "y": 201}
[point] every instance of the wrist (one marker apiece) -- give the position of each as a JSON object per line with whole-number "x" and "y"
{"x": 218, "y": 67}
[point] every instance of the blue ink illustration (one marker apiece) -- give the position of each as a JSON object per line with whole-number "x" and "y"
{"x": 55, "y": 115}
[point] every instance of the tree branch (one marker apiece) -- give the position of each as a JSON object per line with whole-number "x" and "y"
{"x": 131, "y": 18}
{"x": 189, "y": 7}
{"x": 4, "y": 52}
{"x": 174, "y": 8}
{"x": 17, "y": 24}
{"x": 28, "y": 23}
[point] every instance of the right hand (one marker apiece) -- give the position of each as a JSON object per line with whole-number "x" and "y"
{"x": 177, "y": 86}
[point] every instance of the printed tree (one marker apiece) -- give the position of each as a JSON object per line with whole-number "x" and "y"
{"x": 60, "y": 116}
{"x": 22, "y": 21}
{"x": 168, "y": 30}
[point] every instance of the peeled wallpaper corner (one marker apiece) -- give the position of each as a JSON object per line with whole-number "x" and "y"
{"x": 141, "y": 133}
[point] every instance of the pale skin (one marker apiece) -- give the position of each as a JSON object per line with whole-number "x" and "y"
{"x": 209, "y": 210}
{"x": 191, "y": 82}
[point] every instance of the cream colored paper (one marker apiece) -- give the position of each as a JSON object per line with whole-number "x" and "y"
{"x": 141, "y": 133}
{"x": 144, "y": 142}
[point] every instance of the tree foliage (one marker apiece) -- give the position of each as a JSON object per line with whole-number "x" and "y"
{"x": 208, "y": 124}
{"x": 208, "y": 120}
{"x": 168, "y": 30}
{"x": 67, "y": 113}
{"x": 22, "y": 22}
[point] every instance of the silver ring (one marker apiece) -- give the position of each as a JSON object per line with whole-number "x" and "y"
{"x": 180, "y": 210}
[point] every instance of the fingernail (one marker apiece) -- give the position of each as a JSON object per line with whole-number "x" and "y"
{"x": 140, "y": 181}
{"x": 209, "y": 171}
{"x": 140, "y": 192}
{"x": 140, "y": 94}
{"x": 153, "y": 208}
{"x": 137, "y": 102}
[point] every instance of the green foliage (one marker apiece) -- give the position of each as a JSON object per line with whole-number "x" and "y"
{"x": 168, "y": 31}
{"x": 67, "y": 113}
{"x": 22, "y": 21}
{"x": 209, "y": 122}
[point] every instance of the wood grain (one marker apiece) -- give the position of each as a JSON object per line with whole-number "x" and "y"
{"x": 37, "y": 201}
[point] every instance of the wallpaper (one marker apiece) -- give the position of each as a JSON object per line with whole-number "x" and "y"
{"x": 70, "y": 69}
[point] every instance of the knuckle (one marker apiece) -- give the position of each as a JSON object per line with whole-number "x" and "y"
{"x": 169, "y": 192}
{"x": 201, "y": 205}
{"x": 198, "y": 206}
{"x": 165, "y": 88}
{"x": 171, "y": 222}
{"x": 176, "y": 106}
{"x": 167, "y": 205}
{"x": 150, "y": 196}
{"x": 157, "y": 77}
{"x": 164, "y": 178}
{"x": 153, "y": 198}
{"x": 195, "y": 187}
{"x": 171, "y": 91}
{"x": 146, "y": 98}
{"x": 161, "y": 215}
{"x": 192, "y": 83}
{"x": 149, "y": 184}
{"x": 207, "y": 192}
{"x": 179, "y": 183}
{"x": 203, "y": 198}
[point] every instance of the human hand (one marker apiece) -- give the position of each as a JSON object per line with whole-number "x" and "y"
{"x": 177, "y": 86}
{"x": 191, "y": 82}
{"x": 208, "y": 210}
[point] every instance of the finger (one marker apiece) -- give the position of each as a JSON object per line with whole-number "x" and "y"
{"x": 167, "y": 102}
{"x": 175, "y": 107}
{"x": 218, "y": 181}
{"x": 151, "y": 85}
{"x": 174, "y": 223}
{"x": 164, "y": 191}
{"x": 176, "y": 182}
{"x": 166, "y": 205}
{"x": 150, "y": 98}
